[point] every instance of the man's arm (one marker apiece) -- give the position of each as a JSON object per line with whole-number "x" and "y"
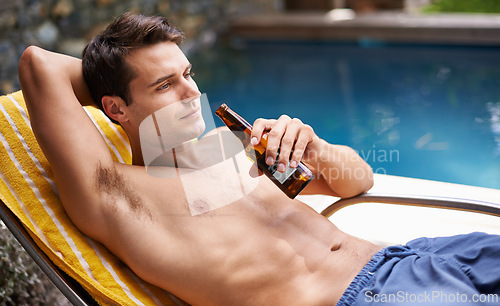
{"x": 54, "y": 91}
{"x": 339, "y": 170}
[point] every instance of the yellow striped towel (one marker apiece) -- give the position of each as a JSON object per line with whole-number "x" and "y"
{"x": 28, "y": 189}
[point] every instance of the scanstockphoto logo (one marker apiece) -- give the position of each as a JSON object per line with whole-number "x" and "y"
{"x": 433, "y": 297}
{"x": 342, "y": 169}
{"x": 181, "y": 141}
{"x": 379, "y": 157}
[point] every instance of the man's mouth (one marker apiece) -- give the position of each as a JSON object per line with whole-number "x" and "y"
{"x": 191, "y": 113}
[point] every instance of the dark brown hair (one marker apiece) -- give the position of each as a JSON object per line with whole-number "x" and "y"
{"x": 103, "y": 59}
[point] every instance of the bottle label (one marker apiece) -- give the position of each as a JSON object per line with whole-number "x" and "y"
{"x": 281, "y": 177}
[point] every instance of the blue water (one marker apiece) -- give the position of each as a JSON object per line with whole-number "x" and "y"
{"x": 429, "y": 112}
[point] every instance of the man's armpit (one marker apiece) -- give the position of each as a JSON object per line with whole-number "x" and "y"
{"x": 117, "y": 190}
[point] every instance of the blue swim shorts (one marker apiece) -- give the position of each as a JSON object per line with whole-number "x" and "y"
{"x": 457, "y": 270}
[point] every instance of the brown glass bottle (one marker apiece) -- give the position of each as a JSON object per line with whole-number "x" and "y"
{"x": 292, "y": 181}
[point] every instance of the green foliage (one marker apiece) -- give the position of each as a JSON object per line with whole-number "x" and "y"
{"x": 464, "y": 6}
{"x": 21, "y": 281}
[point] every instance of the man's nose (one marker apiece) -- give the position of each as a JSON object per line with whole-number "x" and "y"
{"x": 189, "y": 90}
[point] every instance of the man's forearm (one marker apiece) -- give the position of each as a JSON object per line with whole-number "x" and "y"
{"x": 342, "y": 169}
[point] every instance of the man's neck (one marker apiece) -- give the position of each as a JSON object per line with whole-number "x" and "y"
{"x": 138, "y": 160}
{"x": 137, "y": 157}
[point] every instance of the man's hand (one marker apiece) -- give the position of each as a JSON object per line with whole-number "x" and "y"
{"x": 339, "y": 170}
{"x": 291, "y": 137}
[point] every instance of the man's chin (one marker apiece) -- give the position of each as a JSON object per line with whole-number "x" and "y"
{"x": 193, "y": 131}
{"x": 199, "y": 128}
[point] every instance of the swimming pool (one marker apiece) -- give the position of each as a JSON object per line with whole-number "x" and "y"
{"x": 430, "y": 112}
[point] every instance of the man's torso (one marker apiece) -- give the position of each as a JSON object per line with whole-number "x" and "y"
{"x": 261, "y": 247}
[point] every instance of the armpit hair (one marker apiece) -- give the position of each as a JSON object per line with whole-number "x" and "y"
{"x": 113, "y": 184}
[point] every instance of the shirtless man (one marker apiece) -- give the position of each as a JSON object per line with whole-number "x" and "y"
{"x": 263, "y": 247}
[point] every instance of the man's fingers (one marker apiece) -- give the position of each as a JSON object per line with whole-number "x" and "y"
{"x": 301, "y": 144}
{"x": 290, "y": 137}
{"x": 259, "y": 127}
{"x": 289, "y": 144}
{"x": 274, "y": 139}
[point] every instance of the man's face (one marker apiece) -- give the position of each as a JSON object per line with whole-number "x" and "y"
{"x": 163, "y": 85}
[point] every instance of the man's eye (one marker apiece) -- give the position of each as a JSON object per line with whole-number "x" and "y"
{"x": 189, "y": 75}
{"x": 164, "y": 86}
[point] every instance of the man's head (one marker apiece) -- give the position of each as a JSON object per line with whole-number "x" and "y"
{"x": 105, "y": 67}
{"x": 135, "y": 68}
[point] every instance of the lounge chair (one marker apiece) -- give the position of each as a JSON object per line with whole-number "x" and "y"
{"x": 84, "y": 271}
{"x": 398, "y": 209}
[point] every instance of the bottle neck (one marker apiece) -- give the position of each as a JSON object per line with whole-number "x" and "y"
{"x": 239, "y": 126}
{"x": 234, "y": 121}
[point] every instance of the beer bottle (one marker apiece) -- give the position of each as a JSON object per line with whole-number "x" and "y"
{"x": 292, "y": 181}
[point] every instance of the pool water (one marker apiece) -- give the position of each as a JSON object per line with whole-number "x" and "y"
{"x": 430, "y": 112}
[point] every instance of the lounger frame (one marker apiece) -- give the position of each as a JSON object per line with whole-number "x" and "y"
{"x": 69, "y": 287}
{"x": 420, "y": 201}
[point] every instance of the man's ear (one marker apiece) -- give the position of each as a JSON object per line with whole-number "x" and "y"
{"x": 114, "y": 107}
